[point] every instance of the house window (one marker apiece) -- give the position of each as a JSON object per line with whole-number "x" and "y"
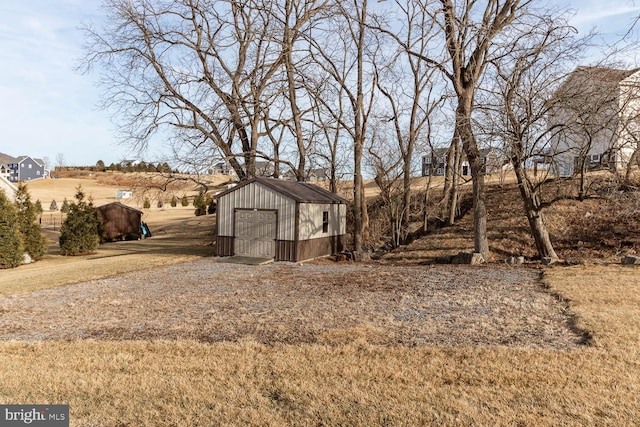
{"x": 427, "y": 160}
{"x": 38, "y": 173}
{"x": 30, "y": 166}
{"x": 325, "y": 222}
{"x": 595, "y": 158}
{"x": 440, "y": 171}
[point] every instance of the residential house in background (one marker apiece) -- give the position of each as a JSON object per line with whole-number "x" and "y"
{"x": 22, "y": 168}
{"x": 130, "y": 163}
{"x": 5, "y": 165}
{"x": 435, "y": 162}
{"x": 597, "y": 114}
{"x": 265, "y": 168}
{"x": 312, "y": 175}
{"x": 223, "y": 168}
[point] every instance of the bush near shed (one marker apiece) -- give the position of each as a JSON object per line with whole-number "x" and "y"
{"x": 81, "y": 230}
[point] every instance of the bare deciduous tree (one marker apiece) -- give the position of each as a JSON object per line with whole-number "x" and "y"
{"x": 522, "y": 94}
{"x": 471, "y": 32}
{"x": 205, "y": 71}
{"x": 345, "y": 51}
{"x": 409, "y": 90}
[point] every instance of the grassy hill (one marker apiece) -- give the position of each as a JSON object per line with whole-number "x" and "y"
{"x": 599, "y": 229}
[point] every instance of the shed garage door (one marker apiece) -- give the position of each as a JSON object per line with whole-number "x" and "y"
{"x": 255, "y": 233}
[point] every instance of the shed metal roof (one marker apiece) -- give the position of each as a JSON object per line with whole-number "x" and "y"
{"x": 301, "y": 192}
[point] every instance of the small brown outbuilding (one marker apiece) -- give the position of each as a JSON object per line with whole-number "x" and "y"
{"x": 120, "y": 222}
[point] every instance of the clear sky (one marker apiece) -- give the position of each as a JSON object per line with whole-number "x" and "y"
{"x": 47, "y": 108}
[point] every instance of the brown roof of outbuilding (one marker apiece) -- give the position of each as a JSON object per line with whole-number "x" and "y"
{"x": 301, "y": 192}
{"x": 122, "y": 205}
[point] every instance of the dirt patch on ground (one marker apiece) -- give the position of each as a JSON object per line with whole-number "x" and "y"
{"x": 213, "y": 301}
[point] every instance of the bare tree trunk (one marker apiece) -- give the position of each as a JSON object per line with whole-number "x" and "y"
{"x": 582, "y": 177}
{"x": 449, "y": 200}
{"x": 365, "y": 213}
{"x": 361, "y": 217}
{"x": 633, "y": 161}
{"x": 276, "y": 161}
{"x": 357, "y": 200}
{"x": 480, "y": 240}
{"x": 531, "y": 201}
{"x": 448, "y": 177}
{"x": 406, "y": 194}
{"x": 541, "y": 234}
{"x": 455, "y": 184}
{"x": 287, "y": 43}
{"x": 425, "y": 212}
{"x": 333, "y": 187}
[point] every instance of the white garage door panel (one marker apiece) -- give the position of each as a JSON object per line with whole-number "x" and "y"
{"x": 255, "y": 234}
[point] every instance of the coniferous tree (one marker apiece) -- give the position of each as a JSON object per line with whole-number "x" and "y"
{"x": 53, "y": 206}
{"x": 38, "y": 207}
{"x": 200, "y": 203}
{"x": 65, "y": 206}
{"x": 81, "y": 230}
{"x": 184, "y": 201}
{"x": 174, "y": 201}
{"x": 35, "y": 243}
{"x": 11, "y": 246}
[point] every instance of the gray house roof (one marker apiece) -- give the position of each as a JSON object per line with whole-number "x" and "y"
{"x": 301, "y": 192}
{"x": 6, "y": 159}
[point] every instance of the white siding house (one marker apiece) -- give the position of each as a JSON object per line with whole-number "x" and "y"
{"x": 596, "y": 112}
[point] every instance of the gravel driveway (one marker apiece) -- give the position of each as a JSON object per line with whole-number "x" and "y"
{"x": 330, "y": 303}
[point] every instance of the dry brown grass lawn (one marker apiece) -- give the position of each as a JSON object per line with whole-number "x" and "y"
{"x": 190, "y": 383}
{"x": 346, "y": 379}
{"x": 169, "y": 226}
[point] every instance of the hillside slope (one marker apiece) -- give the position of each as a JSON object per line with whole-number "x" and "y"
{"x": 593, "y": 230}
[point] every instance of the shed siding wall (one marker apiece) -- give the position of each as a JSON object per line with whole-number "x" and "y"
{"x": 307, "y": 249}
{"x": 311, "y": 220}
{"x": 224, "y": 246}
{"x": 255, "y": 196}
{"x": 119, "y": 222}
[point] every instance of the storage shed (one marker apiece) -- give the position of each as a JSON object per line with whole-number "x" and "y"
{"x": 287, "y": 221}
{"x": 121, "y": 222}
